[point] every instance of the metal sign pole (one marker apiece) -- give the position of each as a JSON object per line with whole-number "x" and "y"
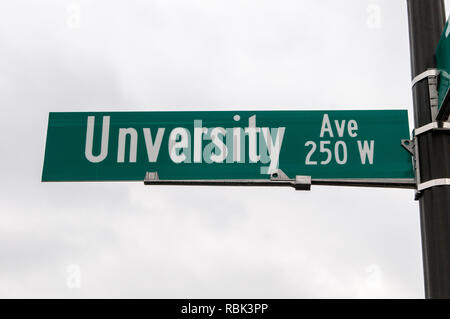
{"x": 426, "y": 23}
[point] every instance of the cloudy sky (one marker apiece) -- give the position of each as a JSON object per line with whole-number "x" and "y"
{"x": 129, "y": 240}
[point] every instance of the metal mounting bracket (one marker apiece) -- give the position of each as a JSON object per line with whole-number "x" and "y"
{"x": 413, "y": 145}
{"x": 409, "y": 146}
{"x": 300, "y": 183}
{"x": 432, "y": 75}
{"x": 277, "y": 178}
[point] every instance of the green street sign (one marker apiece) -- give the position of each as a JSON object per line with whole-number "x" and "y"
{"x": 443, "y": 65}
{"x": 123, "y": 146}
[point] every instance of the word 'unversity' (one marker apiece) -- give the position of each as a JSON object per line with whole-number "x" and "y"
{"x": 225, "y": 145}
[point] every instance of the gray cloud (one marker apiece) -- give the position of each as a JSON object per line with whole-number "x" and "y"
{"x": 131, "y": 240}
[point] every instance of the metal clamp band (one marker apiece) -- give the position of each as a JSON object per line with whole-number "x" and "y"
{"x": 424, "y": 75}
{"x": 433, "y": 183}
{"x": 432, "y": 126}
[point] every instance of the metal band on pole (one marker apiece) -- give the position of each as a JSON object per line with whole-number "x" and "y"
{"x": 424, "y": 75}
{"x": 433, "y": 183}
{"x": 432, "y": 126}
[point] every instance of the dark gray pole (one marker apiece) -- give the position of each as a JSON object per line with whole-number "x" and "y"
{"x": 426, "y": 23}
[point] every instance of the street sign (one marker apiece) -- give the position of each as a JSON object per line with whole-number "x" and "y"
{"x": 123, "y": 146}
{"x": 443, "y": 65}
